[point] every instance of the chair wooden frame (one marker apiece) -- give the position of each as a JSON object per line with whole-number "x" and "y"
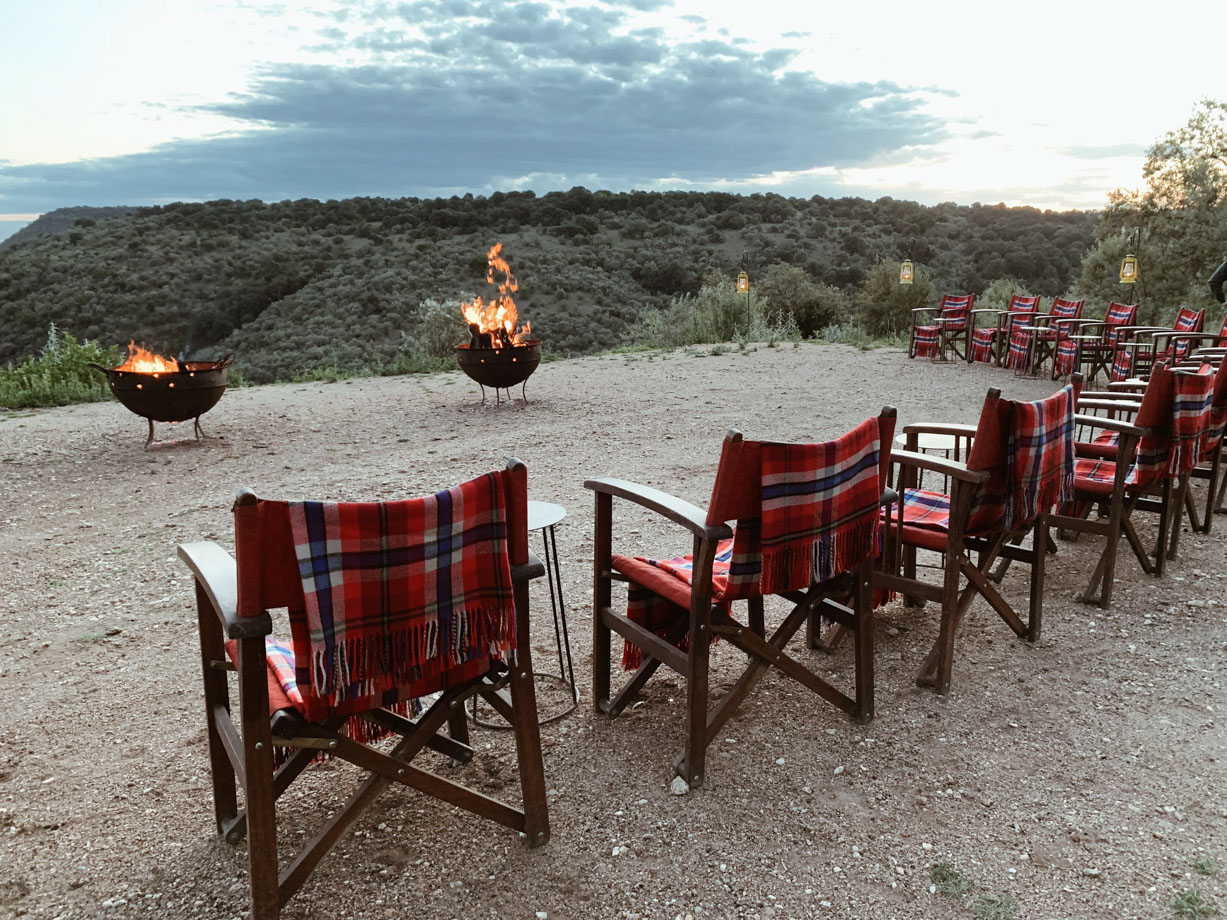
{"x": 706, "y": 619}
{"x": 241, "y": 749}
{"x": 965, "y": 556}
{"x": 953, "y": 320}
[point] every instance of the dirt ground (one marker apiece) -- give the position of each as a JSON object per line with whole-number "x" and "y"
{"x": 1083, "y": 777}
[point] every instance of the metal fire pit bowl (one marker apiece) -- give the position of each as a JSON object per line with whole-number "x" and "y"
{"x": 175, "y": 396}
{"x": 500, "y": 368}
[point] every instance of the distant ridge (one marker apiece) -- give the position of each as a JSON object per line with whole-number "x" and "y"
{"x": 62, "y": 219}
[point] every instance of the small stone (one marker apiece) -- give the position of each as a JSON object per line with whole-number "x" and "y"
{"x": 542, "y": 915}
{"x": 1091, "y": 873}
{"x": 779, "y": 762}
{"x": 839, "y": 769}
{"x": 679, "y": 786}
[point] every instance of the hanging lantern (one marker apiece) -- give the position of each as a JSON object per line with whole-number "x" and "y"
{"x": 1129, "y": 269}
{"x": 907, "y": 272}
{"x": 743, "y": 283}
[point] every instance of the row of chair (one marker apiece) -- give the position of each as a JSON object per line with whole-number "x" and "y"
{"x": 400, "y": 611}
{"x": 1058, "y": 342}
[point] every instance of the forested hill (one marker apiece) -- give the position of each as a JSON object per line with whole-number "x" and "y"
{"x": 62, "y": 219}
{"x": 299, "y": 284}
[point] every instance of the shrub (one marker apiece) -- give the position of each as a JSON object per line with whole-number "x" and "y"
{"x": 59, "y": 375}
{"x": 440, "y": 328}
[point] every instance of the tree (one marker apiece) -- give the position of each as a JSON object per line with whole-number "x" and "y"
{"x": 1181, "y": 216}
{"x": 885, "y": 305}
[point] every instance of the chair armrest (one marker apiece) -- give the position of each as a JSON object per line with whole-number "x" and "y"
{"x": 1114, "y": 403}
{"x": 215, "y": 573}
{"x": 1111, "y": 424}
{"x": 526, "y": 571}
{"x": 940, "y": 428}
{"x": 943, "y": 467}
{"x": 690, "y": 516}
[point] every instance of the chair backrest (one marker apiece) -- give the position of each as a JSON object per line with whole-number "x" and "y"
{"x": 802, "y": 512}
{"x": 1028, "y": 450}
{"x": 1192, "y": 394}
{"x": 1188, "y": 320}
{"x": 1155, "y": 412}
{"x": 955, "y": 309}
{"x": 1121, "y": 314}
{"x": 1067, "y": 309}
{"x": 1020, "y": 304}
{"x": 387, "y": 600}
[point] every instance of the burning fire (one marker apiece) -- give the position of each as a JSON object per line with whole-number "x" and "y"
{"x": 143, "y": 361}
{"x": 495, "y": 320}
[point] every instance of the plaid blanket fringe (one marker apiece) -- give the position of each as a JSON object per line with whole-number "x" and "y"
{"x": 1039, "y": 457}
{"x": 281, "y": 663}
{"x": 398, "y": 591}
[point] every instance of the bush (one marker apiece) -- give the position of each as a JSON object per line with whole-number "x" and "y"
{"x": 59, "y": 375}
{"x": 440, "y": 328}
{"x": 716, "y": 314}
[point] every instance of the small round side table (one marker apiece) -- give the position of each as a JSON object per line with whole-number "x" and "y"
{"x": 545, "y": 516}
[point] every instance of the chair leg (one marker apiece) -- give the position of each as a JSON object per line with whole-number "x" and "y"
{"x": 602, "y": 599}
{"x": 949, "y": 620}
{"x": 258, "y": 770}
{"x": 864, "y": 646}
{"x": 694, "y": 759}
{"x": 1175, "y": 515}
{"x": 1039, "y": 555}
{"x": 216, "y": 694}
{"x": 528, "y": 732}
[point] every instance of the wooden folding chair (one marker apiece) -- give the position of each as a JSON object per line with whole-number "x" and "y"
{"x": 1139, "y": 347}
{"x": 1018, "y": 466}
{"x": 388, "y": 602}
{"x": 807, "y": 529}
{"x": 1091, "y": 345}
{"x": 1138, "y": 465}
{"x": 990, "y": 344}
{"x": 1037, "y": 342}
{"x": 1210, "y": 464}
{"x": 949, "y": 327}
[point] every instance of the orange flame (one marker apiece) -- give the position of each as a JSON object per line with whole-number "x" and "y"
{"x": 499, "y": 314}
{"x": 143, "y": 361}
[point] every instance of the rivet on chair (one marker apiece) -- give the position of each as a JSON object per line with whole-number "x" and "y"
{"x": 523, "y": 674}
{"x": 259, "y": 745}
{"x": 400, "y": 772}
{"x": 332, "y": 745}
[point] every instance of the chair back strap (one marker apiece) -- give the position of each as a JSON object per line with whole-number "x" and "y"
{"x": 1188, "y": 320}
{"x": 812, "y": 511}
{"x": 1121, "y": 314}
{"x": 1155, "y": 412}
{"x": 1067, "y": 309}
{"x": 1020, "y": 304}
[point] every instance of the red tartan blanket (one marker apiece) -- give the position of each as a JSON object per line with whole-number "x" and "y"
{"x": 819, "y": 514}
{"x": 396, "y": 592}
{"x": 926, "y": 341}
{"x": 1190, "y": 419}
{"x": 1039, "y": 457}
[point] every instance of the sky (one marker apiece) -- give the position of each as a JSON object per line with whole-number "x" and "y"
{"x": 138, "y": 102}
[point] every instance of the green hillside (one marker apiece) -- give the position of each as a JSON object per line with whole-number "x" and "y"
{"x": 300, "y": 284}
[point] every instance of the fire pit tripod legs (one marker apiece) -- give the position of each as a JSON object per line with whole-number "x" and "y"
{"x": 195, "y": 426}
{"x": 497, "y": 400}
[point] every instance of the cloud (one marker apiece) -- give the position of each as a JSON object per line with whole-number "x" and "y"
{"x": 453, "y": 94}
